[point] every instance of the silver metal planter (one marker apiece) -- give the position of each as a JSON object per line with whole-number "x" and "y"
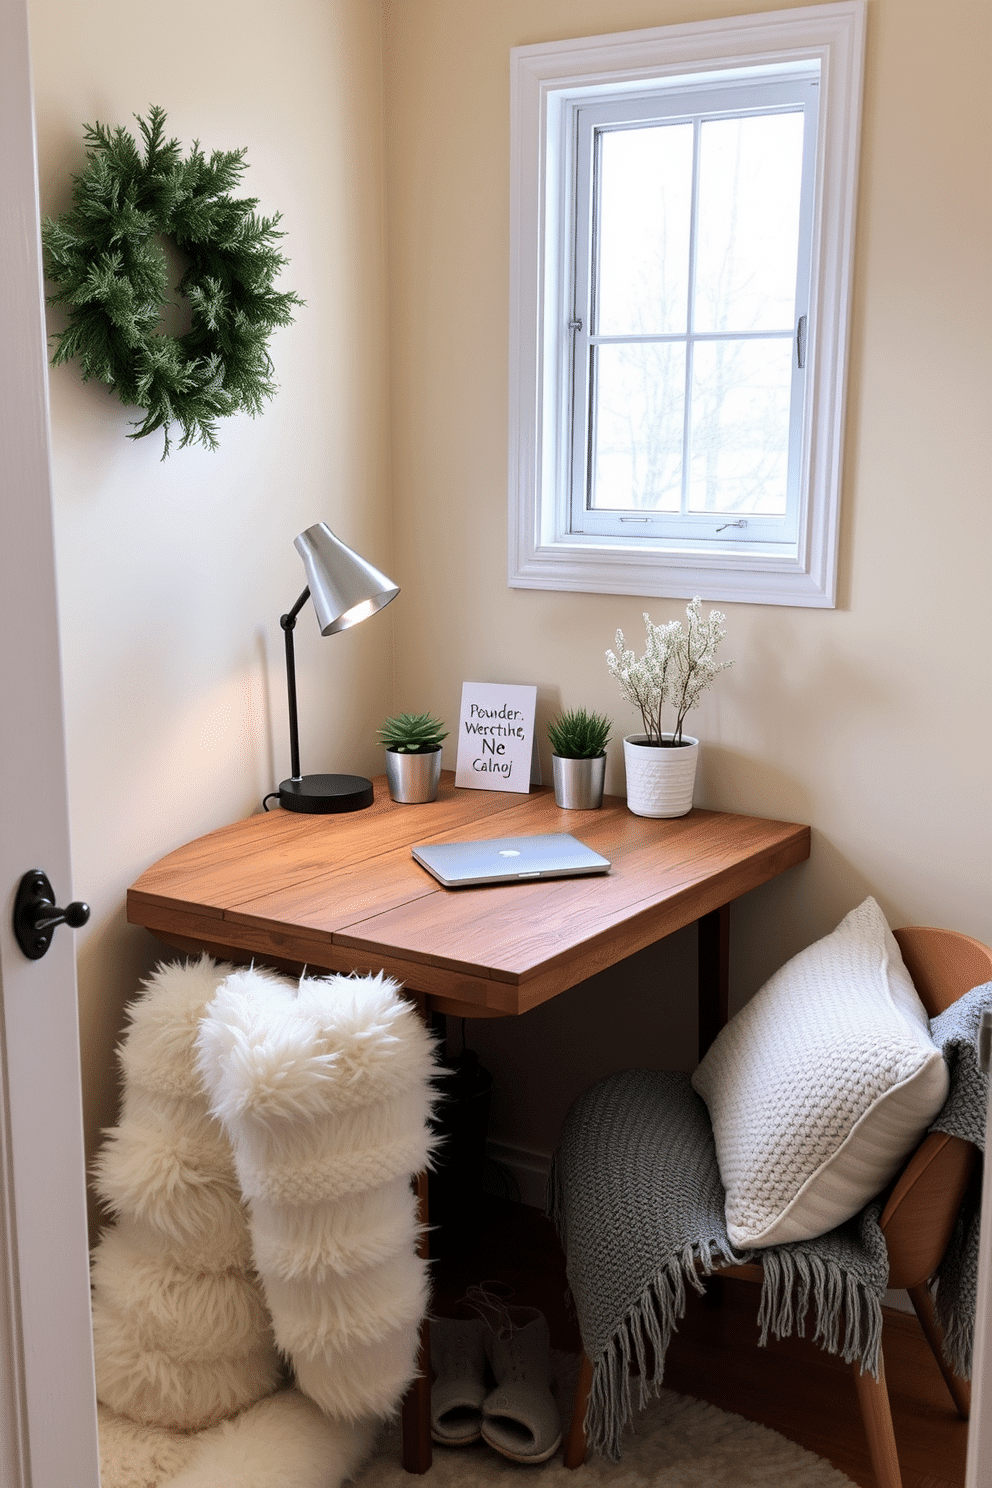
{"x": 579, "y": 782}
{"x": 413, "y": 778}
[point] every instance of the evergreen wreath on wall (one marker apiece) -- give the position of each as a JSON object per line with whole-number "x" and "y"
{"x": 113, "y": 277}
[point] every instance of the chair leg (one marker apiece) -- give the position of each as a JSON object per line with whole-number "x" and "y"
{"x": 416, "y": 1410}
{"x": 960, "y": 1389}
{"x": 575, "y": 1442}
{"x": 873, "y": 1398}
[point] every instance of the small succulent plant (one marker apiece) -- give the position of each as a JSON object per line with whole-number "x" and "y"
{"x": 413, "y": 733}
{"x": 577, "y": 734}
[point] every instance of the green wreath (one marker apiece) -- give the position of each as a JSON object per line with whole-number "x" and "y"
{"x": 113, "y": 277}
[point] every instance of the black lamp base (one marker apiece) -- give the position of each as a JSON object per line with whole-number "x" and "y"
{"x": 326, "y": 793}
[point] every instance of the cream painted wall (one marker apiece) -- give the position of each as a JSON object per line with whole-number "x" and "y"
{"x": 173, "y": 574}
{"x": 871, "y": 721}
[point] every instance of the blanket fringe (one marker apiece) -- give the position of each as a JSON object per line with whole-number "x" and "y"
{"x": 640, "y": 1345}
{"x": 956, "y": 1290}
{"x": 958, "y": 1341}
{"x": 847, "y": 1320}
{"x": 794, "y": 1281}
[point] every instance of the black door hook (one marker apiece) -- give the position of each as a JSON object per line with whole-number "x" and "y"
{"x": 37, "y": 916}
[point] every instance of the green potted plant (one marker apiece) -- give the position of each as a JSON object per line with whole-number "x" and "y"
{"x": 578, "y": 757}
{"x": 413, "y": 756}
{"x": 678, "y": 664}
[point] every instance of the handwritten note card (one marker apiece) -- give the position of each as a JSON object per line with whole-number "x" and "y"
{"x": 496, "y": 736}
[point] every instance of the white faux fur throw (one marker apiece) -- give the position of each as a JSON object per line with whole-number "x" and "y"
{"x": 324, "y": 1091}
{"x": 181, "y": 1332}
{"x": 310, "y": 1102}
{"x": 284, "y": 1441}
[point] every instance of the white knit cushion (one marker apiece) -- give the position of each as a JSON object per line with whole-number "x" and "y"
{"x": 821, "y": 1086}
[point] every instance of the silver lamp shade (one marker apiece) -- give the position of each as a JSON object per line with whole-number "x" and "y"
{"x": 345, "y": 589}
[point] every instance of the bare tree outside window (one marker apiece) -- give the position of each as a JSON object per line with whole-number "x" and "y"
{"x": 694, "y": 281}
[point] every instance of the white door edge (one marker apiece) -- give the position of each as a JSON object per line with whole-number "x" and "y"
{"x": 47, "y": 1393}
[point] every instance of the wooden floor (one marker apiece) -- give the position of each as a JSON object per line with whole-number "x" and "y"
{"x": 792, "y": 1386}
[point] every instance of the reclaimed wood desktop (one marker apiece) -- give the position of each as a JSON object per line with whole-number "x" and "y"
{"x": 343, "y": 893}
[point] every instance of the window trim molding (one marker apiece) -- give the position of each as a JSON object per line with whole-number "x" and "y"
{"x": 541, "y": 76}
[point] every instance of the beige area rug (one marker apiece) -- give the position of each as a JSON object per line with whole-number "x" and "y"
{"x": 283, "y": 1442}
{"x": 675, "y": 1442}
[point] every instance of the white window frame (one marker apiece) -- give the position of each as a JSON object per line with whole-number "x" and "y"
{"x": 546, "y": 82}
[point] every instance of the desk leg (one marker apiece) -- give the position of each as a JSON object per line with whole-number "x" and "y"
{"x": 416, "y": 1409}
{"x": 714, "y": 974}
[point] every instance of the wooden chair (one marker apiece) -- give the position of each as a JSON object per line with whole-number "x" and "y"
{"x": 917, "y": 1220}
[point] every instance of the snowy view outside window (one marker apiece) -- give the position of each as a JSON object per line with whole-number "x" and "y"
{"x": 693, "y": 270}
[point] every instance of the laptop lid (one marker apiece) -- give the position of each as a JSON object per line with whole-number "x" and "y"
{"x": 508, "y": 859}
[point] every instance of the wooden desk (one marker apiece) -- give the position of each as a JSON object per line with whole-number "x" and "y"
{"x": 342, "y": 893}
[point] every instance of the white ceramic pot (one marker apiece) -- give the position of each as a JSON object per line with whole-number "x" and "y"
{"x": 413, "y": 778}
{"x": 659, "y": 779}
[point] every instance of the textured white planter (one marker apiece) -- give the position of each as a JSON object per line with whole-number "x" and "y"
{"x": 659, "y": 780}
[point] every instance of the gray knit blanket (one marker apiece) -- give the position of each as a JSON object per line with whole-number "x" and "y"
{"x": 636, "y": 1197}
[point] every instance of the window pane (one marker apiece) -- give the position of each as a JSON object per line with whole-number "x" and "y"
{"x": 740, "y": 426}
{"x": 638, "y": 401}
{"x": 750, "y": 174}
{"x": 645, "y": 196}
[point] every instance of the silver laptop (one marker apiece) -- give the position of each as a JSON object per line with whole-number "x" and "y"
{"x": 508, "y": 859}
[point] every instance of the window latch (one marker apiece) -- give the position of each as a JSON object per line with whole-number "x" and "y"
{"x": 575, "y": 325}
{"x": 801, "y": 342}
{"x": 741, "y": 522}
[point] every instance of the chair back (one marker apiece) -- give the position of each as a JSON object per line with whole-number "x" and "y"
{"x": 918, "y": 1219}
{"x": 943, "y": 964}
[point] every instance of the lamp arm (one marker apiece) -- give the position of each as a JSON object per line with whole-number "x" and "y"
{"x": 288, "y": 623}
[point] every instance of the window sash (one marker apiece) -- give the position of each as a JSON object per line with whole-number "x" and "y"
{"x": 692, "y": 105}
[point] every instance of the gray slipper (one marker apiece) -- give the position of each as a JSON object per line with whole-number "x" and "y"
{"x": 458, "y": 1358}
{"x": 520, "y": 1418}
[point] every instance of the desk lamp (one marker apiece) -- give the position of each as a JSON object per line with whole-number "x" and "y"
{"x": 345, "y": 590}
